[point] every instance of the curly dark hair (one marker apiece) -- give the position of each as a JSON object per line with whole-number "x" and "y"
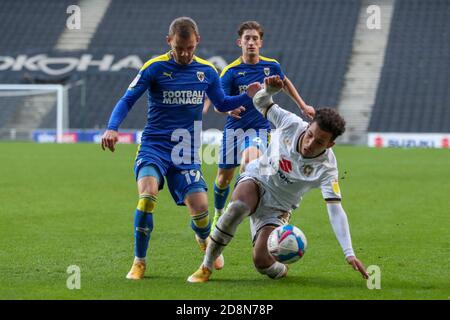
{"x": 330, "y": 121}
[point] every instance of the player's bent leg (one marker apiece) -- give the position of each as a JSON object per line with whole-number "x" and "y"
{"x": 248, "y": 192}
{"x": 143, "y": 221}
{"x": 197, "y": 202}
{"x": 263, "y": 261}
{"x": 221, "y": 236}
{"x": 244, "y": 201}
{"x": 221, "y": 191}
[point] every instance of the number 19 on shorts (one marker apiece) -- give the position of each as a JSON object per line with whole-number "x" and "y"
{"x": 192, "y": 175}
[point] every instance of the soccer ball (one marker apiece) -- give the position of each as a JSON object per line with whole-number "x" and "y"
{"x": 287, "y": 244}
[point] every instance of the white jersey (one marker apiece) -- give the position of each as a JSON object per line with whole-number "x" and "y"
{"x": 284, "y": 172}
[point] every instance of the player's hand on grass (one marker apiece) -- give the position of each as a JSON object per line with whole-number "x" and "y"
{"x": 358, "y": 266}
{"x": 309, "y": 112}
{"x": 253, "y": 88}
{"x": 273, "y": 84}
{"x": 109, "y": 139}
{"x": 236, "y": 112}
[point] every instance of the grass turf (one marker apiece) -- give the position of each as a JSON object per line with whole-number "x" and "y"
{"x": 63, "y": 205}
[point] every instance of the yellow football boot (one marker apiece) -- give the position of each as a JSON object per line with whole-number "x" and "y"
{"x": 201, "y": 275}
{"x": 137, "y": 271}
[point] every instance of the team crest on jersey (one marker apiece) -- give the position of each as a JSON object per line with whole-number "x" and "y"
{"x": 267, "y": 71}
{"x": 307, "y": 169}
{"x": 201, "y": 75}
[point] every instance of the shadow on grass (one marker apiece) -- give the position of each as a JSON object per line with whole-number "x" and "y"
{"x": 306, "y": 282}
{"x": 298, "y": 281}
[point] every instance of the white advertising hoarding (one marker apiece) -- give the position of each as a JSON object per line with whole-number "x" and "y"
{"x": 408, "y": 140}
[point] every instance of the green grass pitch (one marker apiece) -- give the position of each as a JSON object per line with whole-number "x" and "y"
{"x": 63, "y": 205}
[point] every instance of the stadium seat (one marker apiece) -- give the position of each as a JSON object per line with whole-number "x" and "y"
{"x": 413, "y": 94}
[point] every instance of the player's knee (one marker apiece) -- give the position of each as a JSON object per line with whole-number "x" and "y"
{"x": 237, "y": 209}
{"x": 222, "y": 181}
{"x": 246, "y": 193}
{"x": 197, "y": 208}
{"x": 148, "y": 180}
{"x": 147, "y": 203}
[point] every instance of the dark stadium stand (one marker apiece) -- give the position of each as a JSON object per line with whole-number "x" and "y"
{"x": 28, "y": 27}
{"x": 311, "y": 39}
{"x": 31, "y": 26}
{"x": 414, "y": 90}
{"x": 317, "y": 72}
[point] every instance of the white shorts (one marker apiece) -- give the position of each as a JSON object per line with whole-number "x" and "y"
{"x": 265, "y": 214}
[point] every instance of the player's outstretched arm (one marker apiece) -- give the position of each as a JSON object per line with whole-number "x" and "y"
{"x": 225, "y": 103}
{"x": 262, "y": 99}
{"x": 236, "y": 113}
{"x": 292, "y": 92}
{"x": 111, "y": 135}
{"x": 339, "y": 222}
{"x": 123, "y": 106}
{"x": 358, "y": 266}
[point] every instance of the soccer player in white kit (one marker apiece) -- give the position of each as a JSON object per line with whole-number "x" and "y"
{"x": 298, "y": 159}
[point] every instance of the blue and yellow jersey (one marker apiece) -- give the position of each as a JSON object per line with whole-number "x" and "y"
{"x": 236, "y": 77}
{"x": 175, "y": 96}
{"x": 175, "y": 93}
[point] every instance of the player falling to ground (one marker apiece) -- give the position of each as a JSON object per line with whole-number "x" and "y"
{"x": 250, "y": 67}
{"x": 298, "y": 159}
{"x": 176, "y": 82}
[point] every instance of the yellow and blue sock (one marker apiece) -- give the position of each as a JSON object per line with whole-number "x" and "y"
{"x": 143, "y": 224}
{"x": 201, "y": 225}
{"x": 220, "y": 196}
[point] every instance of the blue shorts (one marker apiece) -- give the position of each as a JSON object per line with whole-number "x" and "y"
{"x": 182, "y": 179}
{"x": 233, "y": 145}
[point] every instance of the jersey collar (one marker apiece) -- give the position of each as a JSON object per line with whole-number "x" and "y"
{"x": 170, "y": 55}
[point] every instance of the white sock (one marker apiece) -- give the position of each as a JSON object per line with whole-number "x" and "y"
{"x": 136, "y": 259}
{"x": 213, "y": 250}
{"x": 275, "y": 271}
{"x": 224, "y": 231}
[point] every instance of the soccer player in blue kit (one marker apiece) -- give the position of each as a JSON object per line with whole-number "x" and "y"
{"x": 176, "y": 82}
{"x": 246, "y": 133}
